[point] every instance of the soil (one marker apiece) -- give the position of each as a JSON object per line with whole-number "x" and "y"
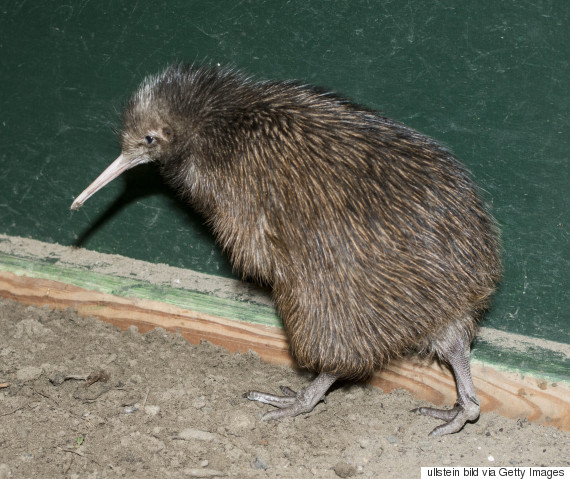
{"x": 80, "y": 398}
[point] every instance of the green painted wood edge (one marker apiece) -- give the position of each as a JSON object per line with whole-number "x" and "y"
{"x": 192, "y": 300}
{"x": 538, "y": 362}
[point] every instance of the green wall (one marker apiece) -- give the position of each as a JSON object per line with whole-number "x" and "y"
{"x": 488, "y": 79}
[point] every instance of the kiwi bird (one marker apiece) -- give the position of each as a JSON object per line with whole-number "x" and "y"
{"x": 373, "y": 237}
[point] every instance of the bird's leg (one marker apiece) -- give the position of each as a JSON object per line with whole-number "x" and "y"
{"x": 467, "y": 406}
{"x": 292, "y": 403}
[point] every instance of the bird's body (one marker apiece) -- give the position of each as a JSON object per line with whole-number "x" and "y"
{"x": 372, "y": 236}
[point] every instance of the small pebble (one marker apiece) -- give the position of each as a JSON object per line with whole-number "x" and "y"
{"x": 29, "y": 373}
{"x": 57, "y": 379}
{"x": 343, "y": 469}
{"x": 203, "y": 473}
{"x": 152, "y": 410}
{"x": 133, "y": 330}
{"x": 239, "y": 421}
{"x": 198, "y": 402}
{"x": 259, "y": 464}
{"x": 190, "y": 433}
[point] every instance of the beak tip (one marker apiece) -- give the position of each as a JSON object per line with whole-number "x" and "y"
{"x": 111, "y": 172}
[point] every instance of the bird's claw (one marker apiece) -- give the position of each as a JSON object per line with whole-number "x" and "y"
{"x": 455, "y": 418}
{"x": 294, "y": 403}
{"x": 290, "y": 404}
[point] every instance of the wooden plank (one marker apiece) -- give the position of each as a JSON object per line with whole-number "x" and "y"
{"x": 135, "y": 288}
{"x": 507, "y": 393}
{"x": 236, "y": 336}
{"x": 236, "y": 300}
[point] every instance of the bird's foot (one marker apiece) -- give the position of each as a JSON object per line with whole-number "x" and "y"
{"x": 290, "y": 404}
{"x": 455, "y": 417}
{"x": 294, "y": 403}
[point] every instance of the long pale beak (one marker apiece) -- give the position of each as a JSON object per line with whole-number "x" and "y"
{"x": 118, "y": 166}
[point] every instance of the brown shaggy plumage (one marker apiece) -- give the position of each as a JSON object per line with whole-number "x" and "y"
{"x": 372, "y": 235}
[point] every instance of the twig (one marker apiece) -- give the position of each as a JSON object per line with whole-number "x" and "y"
{"x": 12, "y": 412}
{"x": 146, "y": 397}
{"x": 69, "y": 465}
{"x": 79, "y": 453}
{"x": 39, "y": 393}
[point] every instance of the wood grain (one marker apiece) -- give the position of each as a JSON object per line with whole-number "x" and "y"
{"x": 507, "y": 393}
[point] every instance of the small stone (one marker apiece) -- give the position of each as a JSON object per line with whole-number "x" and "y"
{"x": 240, "y": 421}
{"x": 152, "y": 410}
{"x": 198, "y": 402}
{"x": 133, "y": 330}
{"x": 57, "y": 379}
{"x": 203, "y": 473}
{"x": 190, "y": 434}
{"x": 392, "y": 439}
{"x": 29, "y": 373}
{"x": 364, "y": 443}
{"x": 259, "y": 463}
{"x": 31, "y": 328}
{"x": 343, "y": 469}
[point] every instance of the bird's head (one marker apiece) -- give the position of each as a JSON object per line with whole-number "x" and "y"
{"x": 146, "y": 137}
{"x": 184, "y": 119}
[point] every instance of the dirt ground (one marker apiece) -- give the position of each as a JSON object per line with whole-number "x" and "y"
{"x": 79, "y": 398}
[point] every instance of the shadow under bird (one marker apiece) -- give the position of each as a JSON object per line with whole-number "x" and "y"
{"x": 372, "y": 236}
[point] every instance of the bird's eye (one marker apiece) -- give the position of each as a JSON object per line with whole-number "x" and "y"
{"x": 149, "y": 139}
